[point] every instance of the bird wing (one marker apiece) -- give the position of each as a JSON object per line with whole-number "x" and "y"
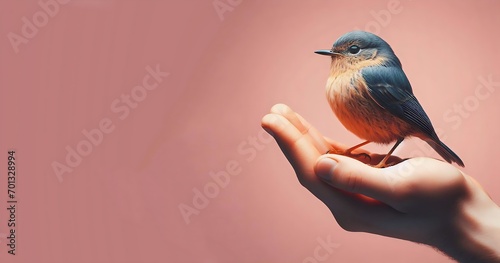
{"x": 390, "y": 89}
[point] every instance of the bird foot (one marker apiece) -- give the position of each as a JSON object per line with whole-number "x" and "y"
{"x": 364, "y": 157}
{"x": 384, "y": 164}
{"x": 381, "y": 165}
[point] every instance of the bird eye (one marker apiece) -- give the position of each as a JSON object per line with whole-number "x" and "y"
{"x": 354, "y": 49}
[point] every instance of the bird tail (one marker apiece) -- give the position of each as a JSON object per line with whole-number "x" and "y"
{"x": 444, "y": 151}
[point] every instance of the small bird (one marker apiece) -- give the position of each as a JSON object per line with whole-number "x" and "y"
{"x": 372, "y": 97}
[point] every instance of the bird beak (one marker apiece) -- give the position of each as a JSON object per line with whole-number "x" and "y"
{"x": 326, "y": 52}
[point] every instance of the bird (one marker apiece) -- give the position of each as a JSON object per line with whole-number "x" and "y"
{"x": 371, "y": 96}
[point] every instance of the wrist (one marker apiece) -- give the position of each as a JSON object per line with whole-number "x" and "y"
{"x": 475, "y": 234}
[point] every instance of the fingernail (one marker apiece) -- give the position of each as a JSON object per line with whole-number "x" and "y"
{"x": 324, "y": 168}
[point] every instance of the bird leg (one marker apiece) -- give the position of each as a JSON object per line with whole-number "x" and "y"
{"x": 382, "y": 163}
{"x": 349, "y": 153}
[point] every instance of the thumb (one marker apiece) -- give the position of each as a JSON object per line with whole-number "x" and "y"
{"x": 354, "y": 176}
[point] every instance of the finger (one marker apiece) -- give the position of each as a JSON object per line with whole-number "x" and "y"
{"x": 291, "y": 116}
{"x": 319, "y": 141}
{"x": 337, "y": 146}
{"x": 310, "y": 133}
{"x": 353, "y": 176}
{"x": 420, "y": 180}
{"x": 303, "y": 126}
{"x": 352, "y": 212}
{"x": 297, "y": 147}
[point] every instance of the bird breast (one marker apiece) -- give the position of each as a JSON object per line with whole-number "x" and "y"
{"x": 351, "y": 102}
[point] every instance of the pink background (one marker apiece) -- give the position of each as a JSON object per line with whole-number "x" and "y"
{"x": 121, "y": 203}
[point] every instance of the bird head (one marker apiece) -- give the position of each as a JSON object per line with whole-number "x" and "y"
{"x": 359, "y": 48}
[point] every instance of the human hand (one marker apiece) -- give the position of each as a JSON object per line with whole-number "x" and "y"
{"x": 421, "y": 199}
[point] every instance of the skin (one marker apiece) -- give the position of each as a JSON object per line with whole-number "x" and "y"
{"x": 421, "y": 199}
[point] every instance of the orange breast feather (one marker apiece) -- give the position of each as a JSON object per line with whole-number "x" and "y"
{"x": 349, "y": 99}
